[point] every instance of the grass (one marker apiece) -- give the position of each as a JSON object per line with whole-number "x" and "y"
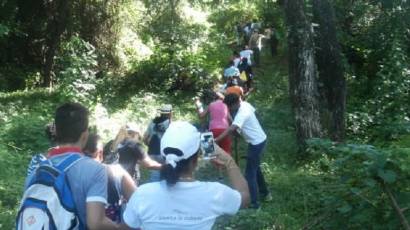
{"x": 295, "y": 190}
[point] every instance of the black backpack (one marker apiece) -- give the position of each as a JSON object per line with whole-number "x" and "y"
{"x": 113, "y": 210}
{"x": 154, "y": 145}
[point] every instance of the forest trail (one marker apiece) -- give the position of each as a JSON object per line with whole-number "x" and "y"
{"x": 294, "y": 190}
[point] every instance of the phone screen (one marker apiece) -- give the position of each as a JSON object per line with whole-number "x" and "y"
{"x": 207, "y": 145}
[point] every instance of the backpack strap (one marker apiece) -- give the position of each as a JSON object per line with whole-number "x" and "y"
{"x": 68, "y": 161}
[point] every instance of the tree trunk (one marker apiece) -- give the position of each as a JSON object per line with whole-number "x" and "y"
{"x": 302, "y": 72}
{"x": 330, "y": 66}
{"x": 58, "y": 13}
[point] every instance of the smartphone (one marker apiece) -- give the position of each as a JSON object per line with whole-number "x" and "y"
{"x": 207, "y": 145}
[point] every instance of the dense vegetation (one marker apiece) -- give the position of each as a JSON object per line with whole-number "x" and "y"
{"x": 124, "y": 58}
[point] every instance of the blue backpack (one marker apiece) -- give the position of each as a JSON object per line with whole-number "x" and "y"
{"x": 48, "y": 202}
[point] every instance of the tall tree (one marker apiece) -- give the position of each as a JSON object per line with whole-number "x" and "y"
{"x": 330, "y": 67}
{"x": 302, "y": 72}
{"x": 58, "y": 12}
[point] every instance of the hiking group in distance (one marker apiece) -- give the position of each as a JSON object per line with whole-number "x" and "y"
{"x": 80, "y": 183}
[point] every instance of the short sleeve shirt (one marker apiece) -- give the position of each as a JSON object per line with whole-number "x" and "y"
{"x": 88, "y": 181}
{"x": 246, "y": 54}
{"x": 248, "y": 124}
{"x": 218, "y": 112}
{"x": 186, "y": 205}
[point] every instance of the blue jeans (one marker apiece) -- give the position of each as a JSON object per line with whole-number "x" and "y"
{"x": 253, "y": 173}
{"x": 155, "y": 175}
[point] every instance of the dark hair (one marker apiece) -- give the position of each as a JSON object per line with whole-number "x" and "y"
{"x": 71, "y": 120}
{"x": 130, "y": 152}
{"x": 171, "y": 175}
{"x": 91, "y": 146}
{"x": 231, "y": 63}
{"x": 244, "y": 61}
{"x": 49, "y": 130}
{"x": 231, "y": 99}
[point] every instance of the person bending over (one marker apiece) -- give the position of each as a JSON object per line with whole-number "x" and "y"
{"x": 246, "y": 122}
{"x": 179, "y": 201}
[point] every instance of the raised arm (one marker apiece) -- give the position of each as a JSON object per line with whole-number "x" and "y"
{"x": 235, "y": 176}
{"x": 149, "y": 163}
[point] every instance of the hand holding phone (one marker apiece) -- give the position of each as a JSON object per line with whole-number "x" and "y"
{"x": 208, "y": 145}
{"x": 221, "y": 157}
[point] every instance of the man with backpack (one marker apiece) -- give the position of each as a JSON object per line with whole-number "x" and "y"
{"x": 152, "y": 137}
{"x": 67, "y": 190}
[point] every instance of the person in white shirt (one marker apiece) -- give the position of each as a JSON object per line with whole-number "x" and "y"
{"x": 179, "y": 201}
{"x": 246, "y": 53}
{"x": 246, "y": 122}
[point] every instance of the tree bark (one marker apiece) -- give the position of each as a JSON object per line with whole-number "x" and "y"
{"x": 58, "y": 13}
{"x": 330, "y": 66}
{"x": 302, "y": 72}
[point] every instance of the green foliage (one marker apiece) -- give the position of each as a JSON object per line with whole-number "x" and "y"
{"x": 12, "y": 168}
{"x": 365, "y": 172}
{"x": 225, "y": 19}
{"x": 375, "y": 43}
{"x": 4, "y": 31}
{"x": 77, "y": 69}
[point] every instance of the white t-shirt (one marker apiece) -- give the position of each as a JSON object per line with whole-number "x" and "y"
{"x": 248, "y": 124}
{"x": 247, "y": 54}
{"x": 186, "y": 205}
{"x": 236, "y": 61}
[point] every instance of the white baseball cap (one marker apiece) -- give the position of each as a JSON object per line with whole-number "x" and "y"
{"x": 179, "y": 142}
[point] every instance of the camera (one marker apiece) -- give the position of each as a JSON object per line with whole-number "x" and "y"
{"x": 207, "y": 145}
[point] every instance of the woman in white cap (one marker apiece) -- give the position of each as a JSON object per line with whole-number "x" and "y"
{"x": 179, "y": 201}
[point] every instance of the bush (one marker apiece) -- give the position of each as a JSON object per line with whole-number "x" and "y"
{"x": 77, "y": 69}
{"x": 367, "y": 175}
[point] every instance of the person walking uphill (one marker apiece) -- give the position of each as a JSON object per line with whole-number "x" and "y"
{"x": 179, "y": 201}
{"x": 153, "y": 134}
{"x": 79, "y": 192}
{"x": 255, "y": 43}
{"x": 246, "y": 121}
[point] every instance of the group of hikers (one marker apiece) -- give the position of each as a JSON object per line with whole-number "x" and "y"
{"x": 83, "y": 184}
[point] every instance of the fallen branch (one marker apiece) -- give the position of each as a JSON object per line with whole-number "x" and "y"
{"x": 397, "y": 208}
